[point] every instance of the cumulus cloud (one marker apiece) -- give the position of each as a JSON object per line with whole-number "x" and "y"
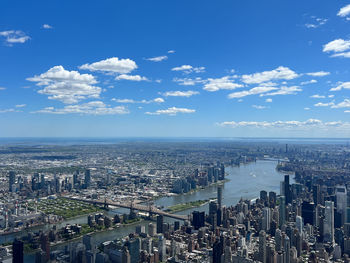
{"x": 179, "y": 93}
{"x": 253, "y": 91}
{"x": 343, "y": 104}
{"x": 308, "y": 124}
{"x": 189, "y": 69}
{"x": 308, "y": 82}
{"x": 224, "y": 83}
{"x": 283, "y": 91}
{"x": 344, "y": 85}
{"x": 89, "y": 108}
{"x": 171, "y": 111}
{"x": 280, "y": 73}
{"x": 66, "y": 86}
{"x": 171, "y": 51}
{"x": 14, "y": 37}
{"x": 111, "y": 65}
{"x": 157, "y": 59}
{"x": 316, "y": 96}
{"x": 269, "y": 100}
{"x": 338, "y": 48}
{"x": 131, "y": 77}
{"x": 318, "y": 74}
{"x": 46, "y": 26}
{"x": 130, "y": 101}
{"x": 321, "y": 104}
{"x": 188, "y": 81}
{"x": 344, "y": 11}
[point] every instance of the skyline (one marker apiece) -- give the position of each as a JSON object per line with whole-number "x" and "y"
{"x": 184, "y": 69}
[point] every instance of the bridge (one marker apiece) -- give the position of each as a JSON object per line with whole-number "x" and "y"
{"x": 152, "y": 210}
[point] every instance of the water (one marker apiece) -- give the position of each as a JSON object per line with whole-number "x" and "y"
{"x": 245, "y": 181}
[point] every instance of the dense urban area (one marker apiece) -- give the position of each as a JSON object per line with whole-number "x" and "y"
{"x": 116, "y": 185}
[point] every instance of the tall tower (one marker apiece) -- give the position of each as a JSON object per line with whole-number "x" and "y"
{"x": 12, "y": 180}
{"x": 282, "y": 210}
{"x": 220, "y": 196}
{"x": 87, "y": 178}
{"x": 262, "y": 246}
{"x": 328, "y": 225}
{"x": 287, "y": 192}
{"x": 17, "y": 248}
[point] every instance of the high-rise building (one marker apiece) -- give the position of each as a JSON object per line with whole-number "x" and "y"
{"x": 12, "y": 180}
{"x": 134, "y": 246}
{"x": 87, "y": 177}
{"x": 17, "y": 248}
{"x": 286, "y": 249}
{"x": 152, "y": 230}
{"x": 299, "y": 224}
{"x": 341, "y": 195}
{"x": 282, "y": 210}
{"x": 45, "y": 245}
{"x": 262, "y": 246}
{"x": 162, "y": 248}
{"x": 220, "y": 196}
{"x": 198, "y": 219}
{"x": 217, "y": 251}
{"x": 88, "y": 241}
{"x": 160, "y": 221}
{"x": 307, "y": 212}
{"x": 287, "y": 191}
{"x": 328, "y": 224}
{"x": 266, "y": 220}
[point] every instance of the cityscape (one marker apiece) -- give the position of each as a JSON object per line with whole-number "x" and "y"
{"x": 187, "y": 131}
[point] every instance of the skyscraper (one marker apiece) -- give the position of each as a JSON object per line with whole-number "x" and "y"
{"x": 12, "y": 180}
{"x": 342, "y": 203}
{"x": 266, "y": 220}
{"x": 17, "y": 248}
{"x": 287, "y": 192}
{"x": 220, "y": 196}
{"x": 328, "y": 224}
{"x": 162, "y": 248}
{"x": 262, "y": 246}
{"x": 198, "y": 219}
{"x": 87, "y": 177}
{"x": 160, "y": 221}
{"x": 282, "y": 210}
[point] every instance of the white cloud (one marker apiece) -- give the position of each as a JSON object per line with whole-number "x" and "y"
{"x": 316, "y": 96}
{"x": 179, "y": 93}
{"x": 112, "y": 65}
{"x": 224, "y": 83}
{"x": 337, "y": 47}
{"x": 284, "y": 91}
{"x": 343, "y": 104}
{"x": 9, "y": 110}
{"x": 157, "y": 59}
{"x": 308, "y": 82}
{"x": 321, "y": 104}
{"x": 171, "y": 111}
{"x": 188, "y": 69}
{"x": 318, "y": 74}
{"x": 280, "y": 73}
{"x": 344, "y": 85}
{"x": 331, "y": 96}
{"x": 2, "y": 88}
{"x": 306, "y": 108}
{"x": 317, "y": 22}
{"x": 46, "y": 26}
{"x": 253, "y": 91}
{"x": 21, "y": 105}
{"x": 308, "y": 124}
{"x": 269, "y": 100}
{"x": 131, "y": 77}
{"x": 14, "y": 36}
{"x": 188, "y": 81}
{"x": 259, "y": 107}
{"x": 171, "y": 51}
{"x": 344, "y": 11}
{"x": 156, "y": 100}
{"x": 66, "y": 86}
{"x": 89, "y": 108}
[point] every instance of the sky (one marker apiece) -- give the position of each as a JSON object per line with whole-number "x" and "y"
{"x": 185, "y": 68}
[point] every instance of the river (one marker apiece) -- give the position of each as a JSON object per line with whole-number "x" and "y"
{"x": 245, "y": 181}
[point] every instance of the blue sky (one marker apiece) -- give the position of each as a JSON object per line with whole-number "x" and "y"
{"x": 175, "y": 68}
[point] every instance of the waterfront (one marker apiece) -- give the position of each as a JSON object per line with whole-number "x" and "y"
{"x": 245, "y": 181}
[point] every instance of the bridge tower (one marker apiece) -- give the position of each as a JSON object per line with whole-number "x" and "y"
{"x": 132, "y": 214}
{"x": 150, "y": 209}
